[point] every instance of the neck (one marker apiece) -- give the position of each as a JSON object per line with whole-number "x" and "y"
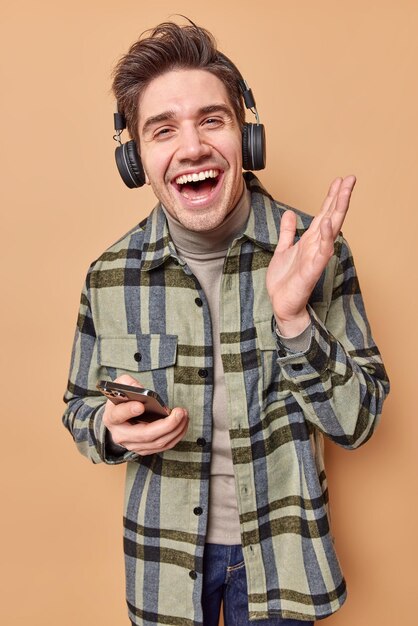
{"x": 214, "y": 240}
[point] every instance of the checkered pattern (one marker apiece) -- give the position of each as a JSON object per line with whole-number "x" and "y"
{"x": 138, "y": 316}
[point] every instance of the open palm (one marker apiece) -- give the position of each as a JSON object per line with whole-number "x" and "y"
{"x": 296, "y": 267}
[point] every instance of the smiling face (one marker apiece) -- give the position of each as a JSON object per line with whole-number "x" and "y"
{"x": 190, "y": 144}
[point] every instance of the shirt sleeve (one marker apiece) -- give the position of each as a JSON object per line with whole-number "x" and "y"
{"x": 85, "y": 404}
{"x": 339, "y": 381}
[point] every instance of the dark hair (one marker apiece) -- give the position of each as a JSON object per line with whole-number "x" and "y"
{"x": 164, "y": 48}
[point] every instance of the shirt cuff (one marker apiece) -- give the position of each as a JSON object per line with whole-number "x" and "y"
{"x": 300, "y": 343}
{"x": 309, "y": 364}
{"x": 111, "y": 452}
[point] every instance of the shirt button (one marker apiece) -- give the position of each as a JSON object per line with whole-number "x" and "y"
{"x": 297, "y": 367}
{"x": 198, "y": 301}
{"x": 193, "y": 574}
{"x": 198, "y": 510}
{"x": 137, "y": 356}
{"x": 201, "y": 442}
{"x": 203, "y": 373}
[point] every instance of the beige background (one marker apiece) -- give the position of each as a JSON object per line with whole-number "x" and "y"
{"x": 336, "y": 87}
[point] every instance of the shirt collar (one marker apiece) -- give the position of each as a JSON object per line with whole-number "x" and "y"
{"x": 262, "y": 227}
{"x": 264, "y": 220}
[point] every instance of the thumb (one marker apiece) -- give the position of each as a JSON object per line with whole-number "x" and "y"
{"x": 179, "y": 414}
{"x": 287, "y": 231}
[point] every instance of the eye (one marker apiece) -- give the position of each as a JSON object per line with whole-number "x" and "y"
{"x": 212, "y": 122}
{"x": 163, "y": 133}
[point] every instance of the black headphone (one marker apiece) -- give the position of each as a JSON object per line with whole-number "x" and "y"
{"x": 129, "y": 163}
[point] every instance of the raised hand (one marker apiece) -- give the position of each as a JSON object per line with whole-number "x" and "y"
{"x": 296, "y": 267}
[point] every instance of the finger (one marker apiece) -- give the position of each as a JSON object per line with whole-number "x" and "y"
{"x": 165, "y": 426}
{"x": 142, "y": 434}
{"x": 119, "y": 413}
{"x": 287, "y": 231}
{"x": 149, "y": 433}
{"x": 123, "y": 411}
{"x": 138, "y": 435}
{"x": 126, "y": 379}
{"x": 342, "y": 203}
{"x": 164, "y": 445}
{"x": 330, "y": 198}
{"x": 326, "y": 242}
{"x": 138, "y": 441}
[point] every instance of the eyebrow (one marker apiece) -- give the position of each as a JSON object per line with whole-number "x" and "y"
{"x": 167, "y": 116}
{"x": 215, "y": 108}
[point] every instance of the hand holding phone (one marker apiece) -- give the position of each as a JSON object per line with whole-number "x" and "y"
{"x": 153, "y": 404}
{"x": 153, "y": 436}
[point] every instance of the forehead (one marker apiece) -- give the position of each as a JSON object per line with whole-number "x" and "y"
{"x": 183, "y": 92}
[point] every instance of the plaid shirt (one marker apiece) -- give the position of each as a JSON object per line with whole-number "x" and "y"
{"x": 139, "y": 315}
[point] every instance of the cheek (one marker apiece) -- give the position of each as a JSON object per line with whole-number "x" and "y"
{"x": 156, "y": 164}
{"x": 235, "y": 151}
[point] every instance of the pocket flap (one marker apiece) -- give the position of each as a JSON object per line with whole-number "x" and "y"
{"x": 138, "y": 353}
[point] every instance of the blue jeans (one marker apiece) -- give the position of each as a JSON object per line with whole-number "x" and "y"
{"x": 224, "y": 580}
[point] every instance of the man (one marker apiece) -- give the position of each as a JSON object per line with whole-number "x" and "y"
{"x": 248, "y": 320}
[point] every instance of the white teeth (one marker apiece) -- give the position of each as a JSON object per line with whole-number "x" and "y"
{"x": 196, "y": 176}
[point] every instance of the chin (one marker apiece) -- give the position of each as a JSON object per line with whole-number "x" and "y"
{"x": 201, "y": 223}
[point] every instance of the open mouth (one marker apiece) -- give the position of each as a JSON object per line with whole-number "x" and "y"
{"x": 197, "y": 185}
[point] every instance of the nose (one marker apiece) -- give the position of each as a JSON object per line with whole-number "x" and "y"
{"x": 192, "y": 145}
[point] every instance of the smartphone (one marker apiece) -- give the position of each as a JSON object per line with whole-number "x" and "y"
{"x": 155, "y": 408}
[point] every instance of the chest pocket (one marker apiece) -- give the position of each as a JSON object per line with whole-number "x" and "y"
{"x": 149, "y": 358}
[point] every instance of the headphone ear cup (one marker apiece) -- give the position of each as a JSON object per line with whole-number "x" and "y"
{"x": 259, "y": 146}
{"x": 129, "y": 165}
{"x": 253, "y": 147}
{"x": 246, "y": 162}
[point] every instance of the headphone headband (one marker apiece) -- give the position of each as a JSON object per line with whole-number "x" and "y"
{"x": 245, "y": 90}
